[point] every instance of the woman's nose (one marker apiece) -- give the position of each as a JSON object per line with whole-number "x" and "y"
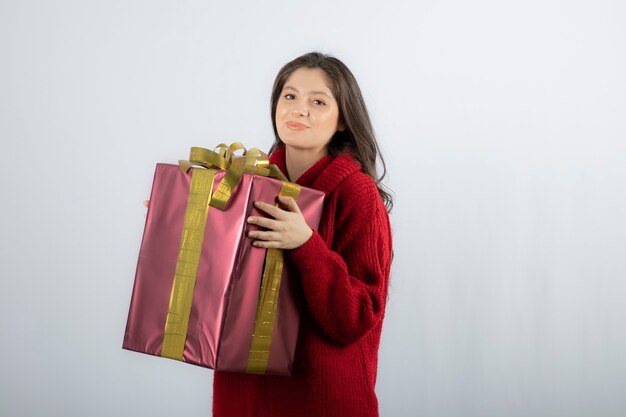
{"x": 300, "y": 111}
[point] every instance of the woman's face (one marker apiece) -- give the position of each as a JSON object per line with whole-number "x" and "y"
{"x": 307, "y": 115}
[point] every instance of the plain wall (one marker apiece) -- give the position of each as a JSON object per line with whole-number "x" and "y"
{"x": 503, "y": 127}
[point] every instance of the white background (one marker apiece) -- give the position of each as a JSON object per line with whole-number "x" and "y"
{"x": 503, "y": 125}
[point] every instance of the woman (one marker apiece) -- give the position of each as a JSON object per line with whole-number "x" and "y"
{"x": 324, "y": 140}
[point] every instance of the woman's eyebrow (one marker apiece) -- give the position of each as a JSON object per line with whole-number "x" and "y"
{"x": 288, "y": 87}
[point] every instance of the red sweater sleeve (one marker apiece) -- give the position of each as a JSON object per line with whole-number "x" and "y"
{"x": 346, "y": 287}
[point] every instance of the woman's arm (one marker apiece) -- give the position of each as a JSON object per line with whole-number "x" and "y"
{"x": 346, "y": 287}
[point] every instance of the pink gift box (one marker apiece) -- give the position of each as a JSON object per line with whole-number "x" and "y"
{"x": 229, "y": 275}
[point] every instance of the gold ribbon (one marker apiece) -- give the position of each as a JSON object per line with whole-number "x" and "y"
{"x": 200, "y": 198}
{"x": 187, "y": 263}
{"x": 268, "y": 299}
{"x": 253, "y": 161}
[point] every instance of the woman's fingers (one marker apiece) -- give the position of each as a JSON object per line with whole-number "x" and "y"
{"x": 265, "y": 222}
{"x": 266, "y": 236}
{"x": 289, "y": 203}
{"x": 146, "y": 203}
{"x": 288, "y": 229}
{"x": 269, "y": 209}
{"x": 267, "y": 245}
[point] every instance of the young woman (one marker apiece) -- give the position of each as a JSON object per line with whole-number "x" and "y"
{"x": 324, "y": 140}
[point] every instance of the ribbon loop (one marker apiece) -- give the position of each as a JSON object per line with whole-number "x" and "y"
{"x": 253, "y": 161}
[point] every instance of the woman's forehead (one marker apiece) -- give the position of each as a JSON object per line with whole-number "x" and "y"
{"x": 308, "y": 80}
{"x": 326, "y": 93}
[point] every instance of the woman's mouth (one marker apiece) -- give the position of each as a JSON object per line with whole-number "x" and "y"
{"x": 296, "y": 126}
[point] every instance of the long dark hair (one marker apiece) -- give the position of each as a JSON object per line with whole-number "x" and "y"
{"x": 358, "y": 135}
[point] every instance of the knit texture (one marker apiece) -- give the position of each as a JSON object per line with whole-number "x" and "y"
{"x": 344, "y": 273}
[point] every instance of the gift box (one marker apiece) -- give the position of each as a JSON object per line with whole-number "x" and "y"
{"x": 203, "y": 294}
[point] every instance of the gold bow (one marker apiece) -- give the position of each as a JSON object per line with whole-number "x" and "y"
{"x": 253, "y": 161}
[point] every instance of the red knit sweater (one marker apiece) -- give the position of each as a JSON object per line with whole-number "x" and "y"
{"x": 344, "y": 273}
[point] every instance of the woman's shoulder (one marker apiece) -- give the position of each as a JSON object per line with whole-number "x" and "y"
{"x": 358, "y": 185}
{"x": 358, "y": 195}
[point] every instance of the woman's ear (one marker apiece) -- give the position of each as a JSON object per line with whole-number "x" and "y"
{"x": 341, "y": 127}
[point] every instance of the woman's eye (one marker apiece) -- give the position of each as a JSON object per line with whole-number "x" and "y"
{"x": 316, "y": 101}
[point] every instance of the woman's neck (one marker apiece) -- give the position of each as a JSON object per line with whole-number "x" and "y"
{"x": 300, "y": 160}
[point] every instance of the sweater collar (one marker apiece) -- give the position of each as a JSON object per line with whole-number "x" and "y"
{"x": 325, "y": 175}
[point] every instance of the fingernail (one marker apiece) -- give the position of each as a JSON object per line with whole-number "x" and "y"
{"x": 250, "y": 219}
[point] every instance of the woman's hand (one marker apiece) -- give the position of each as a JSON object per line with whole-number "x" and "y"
{"x": 146, "y": 203}
{"x": 288, "y": 229}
